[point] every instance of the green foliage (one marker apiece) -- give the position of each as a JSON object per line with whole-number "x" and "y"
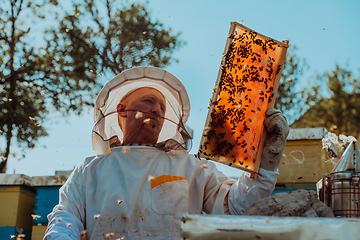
{"x": 21, "y": 101}
{"x": 289, "y": 95}
{"x": 60, "y": 71}
{"x": 121, "y": 39}
{"x": 338, "y": 113}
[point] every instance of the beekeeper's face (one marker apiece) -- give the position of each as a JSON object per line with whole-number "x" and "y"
{"x": 141, "y": 116}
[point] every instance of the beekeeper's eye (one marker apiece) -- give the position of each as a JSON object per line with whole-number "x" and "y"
{"x": 148, "y": 100}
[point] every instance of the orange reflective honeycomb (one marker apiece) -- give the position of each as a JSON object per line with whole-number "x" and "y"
{"x": 246, "y": 87}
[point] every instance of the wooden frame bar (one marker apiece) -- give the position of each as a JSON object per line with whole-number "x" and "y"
{"x": 248, "y": 77}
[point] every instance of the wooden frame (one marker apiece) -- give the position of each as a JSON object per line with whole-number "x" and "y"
{"x": 245, "y": 88}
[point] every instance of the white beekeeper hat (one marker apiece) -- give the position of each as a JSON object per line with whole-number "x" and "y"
{"x": 107, "y": 128}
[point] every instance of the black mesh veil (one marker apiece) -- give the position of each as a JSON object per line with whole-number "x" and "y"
{"x": 107, "y": 131}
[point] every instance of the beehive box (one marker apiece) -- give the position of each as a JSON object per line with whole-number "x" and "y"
{"x": 38, "y": 232}
{"x": 245, "y": 88}
{"x": 47, "y": 196}
{"x": 304, "y": 160}
{"x": 12, "y": 232}
{"x": 17, "y": 200}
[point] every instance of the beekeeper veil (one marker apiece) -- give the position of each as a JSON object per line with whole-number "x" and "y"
{"x": 107, "y": 130}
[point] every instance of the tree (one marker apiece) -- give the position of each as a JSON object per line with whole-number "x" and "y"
{"x": 289, "y": 94}
{"x": 61, "y": 74}
{"x": 339, "y": 112}
{"x": 119, "y": 39}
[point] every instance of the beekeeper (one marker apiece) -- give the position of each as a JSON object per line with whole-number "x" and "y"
{"x": 144, "y": 180}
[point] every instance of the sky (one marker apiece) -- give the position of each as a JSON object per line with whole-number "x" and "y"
{"x": 326, "y": 33}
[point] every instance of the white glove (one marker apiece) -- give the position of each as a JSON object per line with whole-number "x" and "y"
{"x": 277, "y": 131}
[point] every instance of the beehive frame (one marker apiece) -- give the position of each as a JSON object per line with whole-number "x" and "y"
{"x": 245, "y": 88}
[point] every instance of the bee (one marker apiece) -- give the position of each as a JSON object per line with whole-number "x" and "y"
{"x": 109, "y": 234}
{"x": 125, "y": 149}
{"x": 34, "y": 216}
{"x": 83, "y": 232}
{"x": 138, "y": 115}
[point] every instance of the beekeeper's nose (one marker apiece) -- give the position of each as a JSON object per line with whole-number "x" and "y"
{"x": 157, "y": 110}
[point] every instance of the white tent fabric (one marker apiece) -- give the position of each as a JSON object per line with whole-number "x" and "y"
{"x": 105, "y": 116}
{"x": 350, "y": 159}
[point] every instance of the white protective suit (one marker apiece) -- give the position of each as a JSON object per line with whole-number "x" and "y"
{"x": 140, "y": 192}
{"x": 155, "y": 188}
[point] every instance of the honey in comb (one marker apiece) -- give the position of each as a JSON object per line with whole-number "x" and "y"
{"x": 243, "y": 94}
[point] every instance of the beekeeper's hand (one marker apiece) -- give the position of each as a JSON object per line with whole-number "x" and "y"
{"x": 277, "y": 131}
